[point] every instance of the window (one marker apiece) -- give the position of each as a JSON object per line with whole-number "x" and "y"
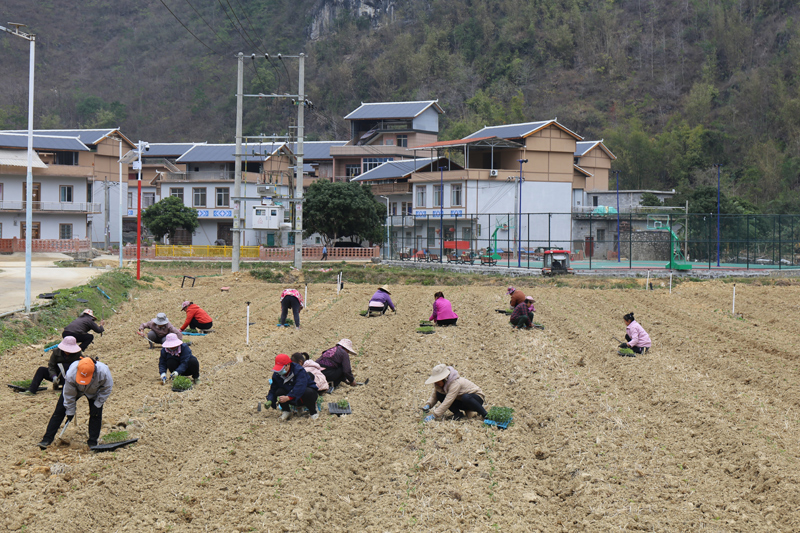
{"x": 455, "y": 191}
{"x": 177, "y": 192}
{"x": 351, "y": 171}
{"x": 89, "y": 193}
{"x": 130, "y": 200}
{"x": 65, "y": 231}
{"x": 466, "y": 234}
{"x": 431, "y": 237}
{"x": 601, "y": 235}
{"x": 394, "y": 208}
{"x": 199, "y": 195}
{"x": 316, "y": 240}
{"x": 368, "y": 163}
{"x": 402, "y": 141}
{"x": 66, "y": 158}
{"x": 65, "y": 193}
{"x": 1, "y": 192}
{"x": 407, "y": 208}
{"x": 388, "y": 142}
{"x": 223, "y": 196}
{"x": 148, "y": 199}
{"x": 437, "y": 196}
{"x": 594, "y": 201}
{"x": 421, "y": 195}
{"x": 290, "y": 239}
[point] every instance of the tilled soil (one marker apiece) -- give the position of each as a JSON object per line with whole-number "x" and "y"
{"x": 699, "y": 434}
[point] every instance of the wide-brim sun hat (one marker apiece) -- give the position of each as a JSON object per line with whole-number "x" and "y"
{"x": 529, "y": 299}
{"x": 510, "y": 290}
{"x": 438, "y": 373}
{"x": 347, "y": 344}
{"x": 185, "y": 304}
{"x": 161, "y": 319}
{"x": 69, "y": 345}
{"x": 384, "y": 288}
{"x": 89, "y": 312}
{"x": 171, "y": 341}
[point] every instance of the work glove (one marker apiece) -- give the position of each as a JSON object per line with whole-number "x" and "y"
{"x": 70, "y": 417}
{"x": 54, "y": 380}
{"x": 174, "y": 375}
{"x": 429, "y": 418}
{"x": 623, "y": 345}
{"x": 426, "y": 407}
{"x": 163, "y": 377}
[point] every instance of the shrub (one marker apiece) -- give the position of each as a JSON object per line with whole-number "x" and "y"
{"x": 181, "y": 383}
{"x": 500, "y": 414}
{"x": 115, "y": 436}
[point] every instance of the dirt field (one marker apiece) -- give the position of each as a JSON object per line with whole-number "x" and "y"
{"x": 700, "y": 434}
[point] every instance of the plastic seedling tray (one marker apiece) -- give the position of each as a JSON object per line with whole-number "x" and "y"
{"x": 336, "y": 410}
{"x": 112, "y": 446}
{"x": 536, "y": 325}
{"x": 426, "y": 330}
{"x": 501, "y": 425}
{"x": 504, "y": 311}
{"x": 17, "y": 388}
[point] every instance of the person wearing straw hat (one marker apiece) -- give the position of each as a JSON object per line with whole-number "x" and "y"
{"x": 195, "y": 317}
{"x": 517, "y": 296}
{"x": 522, "y": 316}
{"x": 62, "y": 357}
{"x": 290, "y": 299}
{"x": 159, "y": 328}
{"x": 84, "y": 378}
{"x": 291, "y": 387}
{"x": 177, "y": 359}
{"x": 335, "y": 363}
{"x": 454, "y": 393}
{"x": 381, "y": 300}
{"x": 80, "y": 327}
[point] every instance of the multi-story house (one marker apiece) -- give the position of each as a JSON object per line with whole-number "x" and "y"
{"x": 70, "y": 168}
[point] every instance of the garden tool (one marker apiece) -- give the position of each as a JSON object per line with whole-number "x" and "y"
{"x": 65, "y": 428}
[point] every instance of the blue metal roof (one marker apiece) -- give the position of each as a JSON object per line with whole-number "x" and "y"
{"x": 42, "y": 142}
{"x": 224, "y": 153}
{"x": 317, "y": 149}
{"x": 518, "y": 131}
{"x": 392, "y": 110}
{"x": 168, "y": 149}
{"x": 87, "y": 137}
{"x": 395, "y": 169}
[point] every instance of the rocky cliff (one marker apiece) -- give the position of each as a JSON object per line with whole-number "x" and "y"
{"x": 327, "y": 12}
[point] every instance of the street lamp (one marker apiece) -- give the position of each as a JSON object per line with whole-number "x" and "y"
{"x": 519, "y": 222}
{"x": 441, "y": 213}
{"x": 29, "y": 175}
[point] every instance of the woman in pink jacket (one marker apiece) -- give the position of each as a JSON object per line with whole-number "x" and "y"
{"x": 443, "y": 311}
{"x": 637, "y": 337}
{"x": 313, "y": 368}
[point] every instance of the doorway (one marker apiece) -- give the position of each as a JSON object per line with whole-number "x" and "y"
{"x": 35, "y": 233}
{"x": 36, "y": 196}
{"x": 225, "y": 232}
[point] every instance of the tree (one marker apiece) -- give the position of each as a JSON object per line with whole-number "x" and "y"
{"x": 168, "y": 215}
{"x": 338, "y": 210}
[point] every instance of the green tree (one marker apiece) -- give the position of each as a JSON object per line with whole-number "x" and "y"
{"x": 168, "y": 215}
{"x": 340, "y": 210}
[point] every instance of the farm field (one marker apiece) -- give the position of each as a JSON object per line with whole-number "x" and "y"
{"x": 702, "y": 433}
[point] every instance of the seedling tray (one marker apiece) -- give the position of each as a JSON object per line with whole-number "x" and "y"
{"x": 180, "y": 390}
{"x": 627, "y": 354}
{"x": 336, "y": 410}
{"x": 504, "y": 311}
{"x": 501, "y": 425}
{"x": 426, "y": 332}
{"x": 196, "y": 334}
{"x": 17, "y": 388}
{"x": 112, "y": 446}
{"x": 536, "y": 325}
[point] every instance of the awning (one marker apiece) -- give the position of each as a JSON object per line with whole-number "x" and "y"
{"x": 19, "y": 158}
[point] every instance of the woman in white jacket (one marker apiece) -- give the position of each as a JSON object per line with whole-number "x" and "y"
{"x": 313, "y": 368}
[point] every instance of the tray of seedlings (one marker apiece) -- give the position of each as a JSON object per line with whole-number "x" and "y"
{"x": 504, "y": 311}
{"x": 425, "y": 330}
{"x": 626, "y": 352}
{"x": 342, "y": 407}
{"x": 23, "y": 385}
{"x": 181, "y": 384}
{"x": 112, "y": 441}
{"x": 499, "y": 417}
{"x": 364, "y": 313}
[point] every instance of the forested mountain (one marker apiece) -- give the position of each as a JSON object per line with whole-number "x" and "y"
{"x": 672, "y": 86}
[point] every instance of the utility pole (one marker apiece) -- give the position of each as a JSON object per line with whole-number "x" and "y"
{"x": 237, "y": 183}
{"x": 298, "y": 182}
{"x": 120, "y": 202}
{"x": 107, "y": 220}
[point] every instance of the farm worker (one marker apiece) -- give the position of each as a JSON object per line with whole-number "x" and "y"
{"x": 517, "y": 297}
{"x": 176, "y": 358}
{"x": 522, "y": 316}
{"x": 292, "y": 385}
{"x": 195, "y": 317}
{"x": 637, "y": 337}
{"x": 290, "y": 298}
{"x": 66, "y": 353}
{"x": 313, "y": 368}
{"x": 443, "y": 311}
{"x": 381, "y": 300}
{"x": 84, "y": 378}
{"x": 453, "y": 393}
{"x": 159, "y": 328}
{"x": 324, "y": 252}
{"x": 79, "y": 328}
{"x": 335, "y": 363}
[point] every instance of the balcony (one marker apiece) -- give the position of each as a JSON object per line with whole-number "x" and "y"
{"x": 379, "y": 150}
{"x": 54, "y": 207}
{"x": 211, "y": 175}
{"x": 64, "y": 171}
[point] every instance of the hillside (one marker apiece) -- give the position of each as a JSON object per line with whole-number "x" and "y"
{"x": 673, "y": 87}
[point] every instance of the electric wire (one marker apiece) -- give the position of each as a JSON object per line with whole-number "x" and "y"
{"x": 246, "y": 39}
{"x": 206, "y": 22}
{"x": 187, "y": 28}
{"x": 249, "y": 21}
{"x": 252, "y": 42}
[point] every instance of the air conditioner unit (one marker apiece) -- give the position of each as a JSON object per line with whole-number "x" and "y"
{"x": 492, "y": 173}
{"x": 265, "y": 191}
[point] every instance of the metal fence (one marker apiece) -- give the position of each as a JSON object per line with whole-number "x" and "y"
{"x": 596, "y": 240}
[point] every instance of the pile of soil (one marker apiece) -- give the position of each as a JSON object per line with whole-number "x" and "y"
{"x": 702, "y": 432}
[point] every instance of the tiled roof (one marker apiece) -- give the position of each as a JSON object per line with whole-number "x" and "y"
{"x": 392, "y": 110}
{"x": 583, "y": 147}
{"x": 519, "y": 131}
{"x": 168, "y": 149}
{"x": 88, "y": 136}
{"x": 42, "y": 142}
{"x": 395, "y": 169}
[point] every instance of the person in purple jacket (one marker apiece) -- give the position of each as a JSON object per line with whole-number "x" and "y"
{"x": 335, "y": 363}
{"x": 443, "y": 311}
{"x": 637, "y": 337}
{"x": 381, "y": 300}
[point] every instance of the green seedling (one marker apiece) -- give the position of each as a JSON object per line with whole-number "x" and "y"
{"x": 181, "y": 383}
{"x": 364, "y": 313}
{"x": 500, "y": 414}
{"x": 115, "y": 436}
{"x": 25, "y": 383}
{"x": 425, "y": 329}
{"x": 342, "y": 404}
{"x": 289, "y": 322}
{"x": 625, "y": 351}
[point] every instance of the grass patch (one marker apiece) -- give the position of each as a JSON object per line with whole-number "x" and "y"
{"x": 181, "y": 383}
{"x": 25, "y": 383}
{"x": 425, "y": 329}
{"x": 115, "y": 436}
{"x": 500, "y": 414}
{"x": 65, "y": 308}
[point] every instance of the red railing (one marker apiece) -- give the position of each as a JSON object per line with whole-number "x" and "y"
{"x": 46, "y": 245}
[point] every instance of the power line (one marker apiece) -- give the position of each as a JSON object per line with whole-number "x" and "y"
{"x": 206, "y": 23}
{"x": 187, "y": 28}
{"x": 235, "y": 27}
{"x": 252, "y": 26}
{"x": 252, "y": 42}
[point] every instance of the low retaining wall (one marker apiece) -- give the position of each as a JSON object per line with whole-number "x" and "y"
{"x": 64, "y": 246}
{"x": 223, "y": 253}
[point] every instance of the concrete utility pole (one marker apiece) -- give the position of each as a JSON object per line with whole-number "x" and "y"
{"x": 237, "y": 183}
{"x": 29, "y": 176}
{"x": 298, "y": 182}
{"x": 107, "y": 221}
{"x": 120, "y": 202}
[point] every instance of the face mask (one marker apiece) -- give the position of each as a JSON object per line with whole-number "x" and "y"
{"x": 283, "y": 371}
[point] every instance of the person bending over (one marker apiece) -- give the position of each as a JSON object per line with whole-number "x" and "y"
{"x": 313, "y": 368}
{"x": 637, "y": 337}
{"x": 291, "y": 299}
{"x": 80, "y": 327}
{"x": 453, "y": 393}
{"x": 292, "y": 385}
{"x": 522, "y": 316}
{"x": 177, "y": 359}
{"x": 335, "y": 363}
{"x": 382, "y": 300}
{"x": 195, "y": 317}
{"x": 66, "y": 353}
{"x": 159, "y": 328}
{"x": 443, "y": 311}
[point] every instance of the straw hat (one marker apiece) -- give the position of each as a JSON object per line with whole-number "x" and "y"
{"x": 347, "y": 344}
{"x": 85, "y": 371}
{"x": 185, "y": 304}
{"x": 161, "y": 319}
{"x": 171, "y": 341}
{"x": 438, "y": 373}
{"x": 89, "y": 312}
{"x": 384, "y": 288}
{"x": 69, "y": 345}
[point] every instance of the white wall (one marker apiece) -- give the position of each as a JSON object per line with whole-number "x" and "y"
{"x": 427, "y": 121}
{"x": 98, "y": 220}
